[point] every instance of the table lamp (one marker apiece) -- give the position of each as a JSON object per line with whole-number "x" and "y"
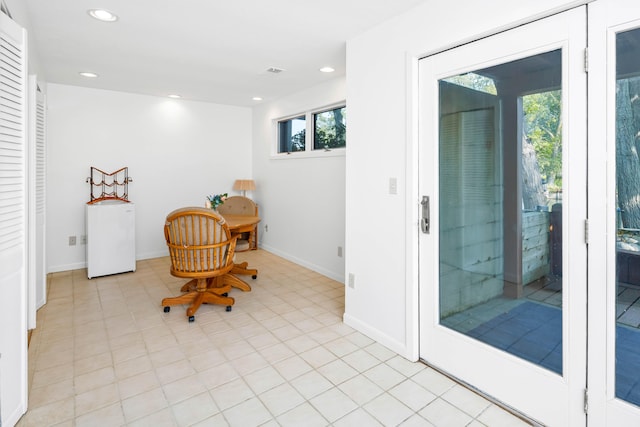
{"x": 244, "y": 185}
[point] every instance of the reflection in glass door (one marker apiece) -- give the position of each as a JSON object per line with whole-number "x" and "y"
{"x": 627, "y": 348}
{"x": 500, "y": 150}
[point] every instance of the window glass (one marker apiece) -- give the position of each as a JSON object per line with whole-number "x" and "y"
{"x": 474, "y": 81}
{"x": 292, "y": 135}
{"x": 500, "y": 209}
{"x": 330, "y": 129}
{"x": 627, "y": 314}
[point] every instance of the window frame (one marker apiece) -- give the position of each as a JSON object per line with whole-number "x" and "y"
{"x": 309, "y": 150}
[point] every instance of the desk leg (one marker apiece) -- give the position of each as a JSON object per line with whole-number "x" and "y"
{"x": 243, "y": 270}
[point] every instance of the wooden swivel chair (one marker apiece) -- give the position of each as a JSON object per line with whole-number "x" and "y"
{"x": 240, "y": 205}
{"x": 201, "y": 249}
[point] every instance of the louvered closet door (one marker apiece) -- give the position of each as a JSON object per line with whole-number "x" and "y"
{"x": 13, "y": 316}
{"x": 36, "y": 200}
{"x": 41, "y": 273}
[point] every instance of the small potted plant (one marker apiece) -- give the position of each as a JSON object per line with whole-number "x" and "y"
{"x": 216, "y": 200}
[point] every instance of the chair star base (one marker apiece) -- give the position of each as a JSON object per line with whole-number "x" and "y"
{"x": 200, "y": 293}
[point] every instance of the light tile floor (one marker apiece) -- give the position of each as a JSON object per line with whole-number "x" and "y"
{"x": 105, "y": 354}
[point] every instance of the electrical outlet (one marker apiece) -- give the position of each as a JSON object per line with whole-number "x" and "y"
{"x": 352, "y": 280}
{"x": 340, "y": 251}
{"x": 266, "y": 228}
{"x": 83, "y": 240}
{"x": 72, "y": 240}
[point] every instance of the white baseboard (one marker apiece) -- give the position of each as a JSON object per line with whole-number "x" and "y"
{"x": 154, "y": 254}
{"x": 83, "y": 264}
{"x": 331, "y": 274}
{"x": 376, "y": 335}
{"x": 67, "y": 267}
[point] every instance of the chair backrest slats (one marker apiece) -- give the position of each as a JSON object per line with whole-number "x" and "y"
{"x": 199, "y": 241}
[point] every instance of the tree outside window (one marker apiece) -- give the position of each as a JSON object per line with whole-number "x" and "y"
{"x": 330, "y": 129}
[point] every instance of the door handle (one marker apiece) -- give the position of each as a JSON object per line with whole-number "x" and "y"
{"x": 425, "y": 221}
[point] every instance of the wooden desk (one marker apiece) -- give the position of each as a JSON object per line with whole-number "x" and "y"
{"x": 236, "y": 207}
{"x": 241, "y": 224}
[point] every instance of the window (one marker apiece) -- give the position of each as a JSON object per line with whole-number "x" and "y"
{"x": 291, "y": 135}
{"x": 329, "y": 129}
{"x": 320, "y": 130}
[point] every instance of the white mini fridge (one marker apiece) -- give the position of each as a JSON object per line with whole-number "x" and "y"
{"x": 111, "y": 237}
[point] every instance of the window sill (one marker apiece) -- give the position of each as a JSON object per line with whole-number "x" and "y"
{"x": 335, "y": 152}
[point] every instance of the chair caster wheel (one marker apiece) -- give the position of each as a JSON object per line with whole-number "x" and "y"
{"x": 254, "y": 277}
{"x": 226, "y": 294}
{"x": 192, "y": 319}
{"x": 228, "y": 308}
{"x": 167, "y": 309}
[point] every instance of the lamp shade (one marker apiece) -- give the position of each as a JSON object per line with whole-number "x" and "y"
{"x": 244, "y": 185}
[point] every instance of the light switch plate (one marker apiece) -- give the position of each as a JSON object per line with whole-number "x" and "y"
{"x": 393, "y": 185}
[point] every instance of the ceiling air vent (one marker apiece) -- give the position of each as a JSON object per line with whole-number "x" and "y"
{"x": 275, "y": 70}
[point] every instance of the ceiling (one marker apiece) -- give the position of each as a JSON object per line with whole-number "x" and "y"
{"x": 204, "y": 50}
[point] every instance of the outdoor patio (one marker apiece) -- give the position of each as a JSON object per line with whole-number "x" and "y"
{"x": 531, "y": 328}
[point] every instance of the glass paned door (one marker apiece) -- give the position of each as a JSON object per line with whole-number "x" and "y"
{"x": 627, "y": 131}
{"x": 503, "y": 268}
{"x": 614, "y": 189}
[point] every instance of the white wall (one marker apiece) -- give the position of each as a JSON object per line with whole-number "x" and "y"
{"x": 381, "y": 229}
{"x": 20, "y": 13}
{"x": 177, "y": 152}
{"x": 301, "y": 200}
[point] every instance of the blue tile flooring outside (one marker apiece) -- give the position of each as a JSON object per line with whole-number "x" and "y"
{"x": 628, "y": 364}
{"x": 533, "y": 331}
{"x": 530, "y": 330}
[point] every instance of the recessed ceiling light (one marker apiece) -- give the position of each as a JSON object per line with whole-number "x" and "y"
{"x": 103, "y": 15}
{"x": 257, "y": 98}
{"x": 88, "y": 74}
{"x": 327, "y": 70}
{"x": 174, "y": 96}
